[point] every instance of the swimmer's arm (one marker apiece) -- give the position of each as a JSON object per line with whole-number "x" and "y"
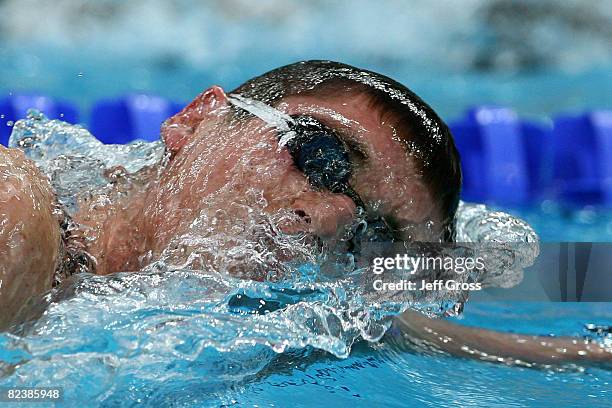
{"x": 30, "y": 237}
{"x": 495, "y": 346}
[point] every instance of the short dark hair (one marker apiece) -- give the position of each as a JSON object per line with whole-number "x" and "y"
{"x": 425, "y": 135}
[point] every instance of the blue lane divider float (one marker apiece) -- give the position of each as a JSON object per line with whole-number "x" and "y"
{"x": 504, "y": 159}
{"x": 132, "y": 117}
{"x": 582, "y": 168}
{"x": 14, "y": 107}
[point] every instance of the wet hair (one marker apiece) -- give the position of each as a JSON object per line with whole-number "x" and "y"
{"x": 425, "y": 135}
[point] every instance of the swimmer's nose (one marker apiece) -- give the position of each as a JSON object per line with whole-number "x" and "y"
{"x": 323, "y": 213}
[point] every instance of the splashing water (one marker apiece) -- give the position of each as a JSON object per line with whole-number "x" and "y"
{"x": 188, "y": 314}
{"x": 73, "y": 159}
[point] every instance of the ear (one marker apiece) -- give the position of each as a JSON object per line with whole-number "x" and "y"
{"x": 178, "y": 130}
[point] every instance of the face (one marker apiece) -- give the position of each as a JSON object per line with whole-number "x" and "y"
{"x": 223, "y": 165}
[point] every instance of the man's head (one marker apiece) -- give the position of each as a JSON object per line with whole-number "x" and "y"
{"x": 404, "y": 163}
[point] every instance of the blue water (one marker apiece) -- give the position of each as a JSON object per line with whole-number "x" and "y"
{"x": 167, "y": 337}
{"x": 554, "y": 222}
{"x": 185, "y": 339}
{"x": 120, "y": 365}
{"x": 551, "y": 57}
{"x": 382, "y": 375}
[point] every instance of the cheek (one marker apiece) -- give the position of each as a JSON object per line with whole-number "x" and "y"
{"x": 221, "y": 159}
{"x": 401, "y": 193}
{"x": 280, "y": 181}
{"x": 264, "y": 168}
{"x": 374, "y": 188}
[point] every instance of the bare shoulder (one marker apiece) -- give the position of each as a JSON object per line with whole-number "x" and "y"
{"x": 30, "y": 239}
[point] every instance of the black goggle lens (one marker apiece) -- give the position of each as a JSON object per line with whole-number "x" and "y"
{"x": 320, "y": 155}
{"x": 325, "y": 161}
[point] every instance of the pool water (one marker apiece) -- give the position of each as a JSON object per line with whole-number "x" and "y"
{"x": 555, "y": 223}
{"x": 112, "y": 350}
{"x": 179, "y": 337}
{"x": 539, "y": 59}
{"x": 383, "y": 376}
{"x": 143, "y": 358}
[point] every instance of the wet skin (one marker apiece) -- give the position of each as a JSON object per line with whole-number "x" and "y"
{"x": 216, "y": 160}
{"x": 29, "y": 233}
{"x": 214, "y": 163}
{"x": 212, "y": 156}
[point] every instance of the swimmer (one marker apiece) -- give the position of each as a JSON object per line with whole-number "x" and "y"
{"x": 340, "y": 142}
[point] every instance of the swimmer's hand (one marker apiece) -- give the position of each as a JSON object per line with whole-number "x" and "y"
{"x": 507, "y": 348}
{"x": 30, "y": 238}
